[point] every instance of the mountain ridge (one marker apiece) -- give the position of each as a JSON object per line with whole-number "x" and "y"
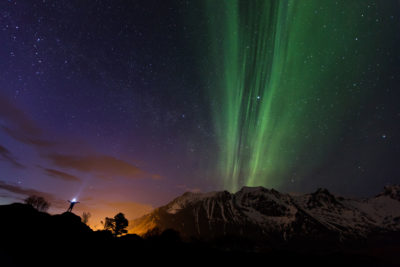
{"x": 266, "y": 214}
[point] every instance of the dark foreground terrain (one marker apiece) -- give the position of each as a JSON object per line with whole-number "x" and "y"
{"x": 32, "y": 238}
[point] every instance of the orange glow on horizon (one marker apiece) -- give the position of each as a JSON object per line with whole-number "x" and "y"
{"x": 102, "y": 209}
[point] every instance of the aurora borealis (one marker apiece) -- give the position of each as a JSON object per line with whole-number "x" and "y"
{"x": 285, "y": 69}
{"x": 128, "y": 105}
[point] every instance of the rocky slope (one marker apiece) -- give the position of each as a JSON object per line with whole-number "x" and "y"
{"x": 258, "y": 213}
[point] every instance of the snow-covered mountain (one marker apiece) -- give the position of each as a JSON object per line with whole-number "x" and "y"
{"x": 257, "y": 213}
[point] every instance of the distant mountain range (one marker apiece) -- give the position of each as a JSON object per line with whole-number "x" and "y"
{"x": 257, "y": 213}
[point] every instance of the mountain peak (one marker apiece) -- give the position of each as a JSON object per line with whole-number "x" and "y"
{"x": 251, "y": 188}
{"x": 322, "y": 198}
{"x": 257, "y": 189}
{"x": 323, "y": 191}
{"x": 392, "y": 191}
{"x": 259, "y": 213}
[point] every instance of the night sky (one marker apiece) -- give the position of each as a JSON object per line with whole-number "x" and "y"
{"x": 127, "y": 104}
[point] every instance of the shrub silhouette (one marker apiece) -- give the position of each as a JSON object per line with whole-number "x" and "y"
{"x": 85, "y": 217}
{"x": 117, "y": 225}
{"x": 38, "y": 203}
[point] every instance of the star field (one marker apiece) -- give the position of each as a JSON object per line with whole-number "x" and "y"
{"x": 127, "y": 105}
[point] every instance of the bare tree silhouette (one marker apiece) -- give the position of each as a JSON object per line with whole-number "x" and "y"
{"x": 85, "y": 217}
{"x": 109, "y": 224}
{"x": 38, "y": 203}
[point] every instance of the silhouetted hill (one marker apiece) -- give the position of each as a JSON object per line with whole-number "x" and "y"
{"x": 25, "y": 221}
{"x": 27, "y": 234}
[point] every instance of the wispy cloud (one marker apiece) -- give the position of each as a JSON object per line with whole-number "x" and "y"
{"x": 18, "y": 125}
{"x": 26, "y": 138}
{"x": 61, "y": 175}
{"x": 98, "y": 164}
{"x": 6, "y": 155}
{"x": 25, "y": 192}
{"x": 17, "y": 117}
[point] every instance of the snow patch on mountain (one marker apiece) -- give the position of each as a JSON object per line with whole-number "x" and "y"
{"x": 258, "y": 212}
{"x": 188, "y": 198}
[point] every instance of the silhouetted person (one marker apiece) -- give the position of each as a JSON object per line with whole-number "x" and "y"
{"x": 72, "y": 204}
